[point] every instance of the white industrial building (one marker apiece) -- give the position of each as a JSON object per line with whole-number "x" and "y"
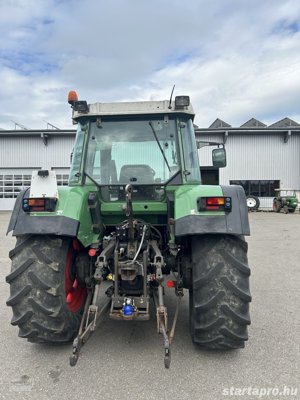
{"x": 260, "y": 158}
{"x": 23, "y": 151}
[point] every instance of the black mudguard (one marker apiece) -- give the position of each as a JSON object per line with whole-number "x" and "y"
{"x": 234, "y": 222}
{"x": 22, "y": 223}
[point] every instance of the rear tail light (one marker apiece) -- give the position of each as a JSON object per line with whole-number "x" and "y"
{"x": 36, "y": 202}
{"x": 36, "y": 205}
{"x": 214, "y": 204}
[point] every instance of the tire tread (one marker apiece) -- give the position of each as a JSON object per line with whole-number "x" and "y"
{"x": 220, "y": 296}
{"x": 37, "y": 290}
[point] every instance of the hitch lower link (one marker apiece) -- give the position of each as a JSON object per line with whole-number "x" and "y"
{"x": 162, "y": 315}
{"x": 92, "y": 313}
{"x": 91, "y": 316}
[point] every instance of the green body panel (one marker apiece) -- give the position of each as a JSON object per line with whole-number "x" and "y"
{"x": 289, "y": 201}
{"x": 73, "y": 203}
{"x": 154, "y": 212}
{"x": 139, "y": 207}
{"x": 292, "y": 202}
{"x": 186, "y": 199}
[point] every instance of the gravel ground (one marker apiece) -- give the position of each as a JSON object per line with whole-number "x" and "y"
{"x": 125, "y": 360}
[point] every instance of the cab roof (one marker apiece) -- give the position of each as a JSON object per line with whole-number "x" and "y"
{"x": 134, "y": 108}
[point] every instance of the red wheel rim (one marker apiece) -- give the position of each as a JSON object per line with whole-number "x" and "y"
{"x": 75, "y": 295}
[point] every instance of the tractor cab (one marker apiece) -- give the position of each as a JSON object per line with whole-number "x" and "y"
{"x": 146, "y": 144}
{"x": 149, "y": 145}
{"x": 144, "y": 152}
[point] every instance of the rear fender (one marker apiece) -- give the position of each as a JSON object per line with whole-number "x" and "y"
{"x": 194, "y": 222}
{"x": 22, "y": 223}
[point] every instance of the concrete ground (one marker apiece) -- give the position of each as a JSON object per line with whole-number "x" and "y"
{"x": 125, "y": 360}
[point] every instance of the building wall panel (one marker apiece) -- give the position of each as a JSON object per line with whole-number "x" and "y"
{"x": 256, "y": 156}
{"x": 263, "y": 157}
{"x": 30, "y": 152}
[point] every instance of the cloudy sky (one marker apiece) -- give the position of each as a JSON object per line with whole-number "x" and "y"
{"x": 236, "y": 59}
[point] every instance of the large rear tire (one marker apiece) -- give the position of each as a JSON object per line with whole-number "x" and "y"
{"x": 219, "y": 298}
{"x": 46, "y": 299}
{"x": 276, "y": 206}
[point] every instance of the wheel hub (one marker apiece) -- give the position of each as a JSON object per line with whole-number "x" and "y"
{"x": 251, "y": 203}
{"x": 75, "y": 295}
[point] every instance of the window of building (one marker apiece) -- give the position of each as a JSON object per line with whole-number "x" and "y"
{"x": 62, "y": 179}
{"x": 62, "y": 175}
{"x": 11, "y": 185}
{"x": 259, "y": 188}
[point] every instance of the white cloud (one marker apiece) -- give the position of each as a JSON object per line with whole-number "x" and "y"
{"x": 235, "y": 59}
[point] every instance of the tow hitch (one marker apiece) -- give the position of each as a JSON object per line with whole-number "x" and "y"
{"x": 135, "y": 264}
{"x": 91, "y": 319}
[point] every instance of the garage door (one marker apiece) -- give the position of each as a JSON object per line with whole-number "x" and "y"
{"x": 11, "y": 183}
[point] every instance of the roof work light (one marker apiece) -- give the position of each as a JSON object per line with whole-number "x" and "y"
{"x": 182, "y": 101}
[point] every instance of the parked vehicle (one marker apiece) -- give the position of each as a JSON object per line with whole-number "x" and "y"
{"x": 285, "y": 200}
{"x": 134, "y": 212}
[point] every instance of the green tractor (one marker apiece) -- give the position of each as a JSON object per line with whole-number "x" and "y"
{"x": 286, "y": 200}
{"x": 133, "y": 222}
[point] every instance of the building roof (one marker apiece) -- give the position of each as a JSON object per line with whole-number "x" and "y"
{"x": 253, "y": 123}
{"x": 37, "y": 132}
{"x": 218, "y": 123}
{"x": 283, "y": 123}
{"x": 285, "y": 126}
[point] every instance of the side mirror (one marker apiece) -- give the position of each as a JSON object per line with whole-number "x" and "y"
{"x": 219, "y": 158}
